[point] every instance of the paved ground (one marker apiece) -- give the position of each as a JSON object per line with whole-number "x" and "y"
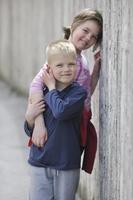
{"x": 13, "y": 146}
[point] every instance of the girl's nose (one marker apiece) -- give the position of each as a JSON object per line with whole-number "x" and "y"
{"x": 89, "y": 36}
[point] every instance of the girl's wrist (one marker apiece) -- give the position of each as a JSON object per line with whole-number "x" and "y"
{"x": 52, "y": 87}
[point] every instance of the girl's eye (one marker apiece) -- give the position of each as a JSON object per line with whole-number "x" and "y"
{"x": 86, "y": 31}
{"x": 94, "y": 37}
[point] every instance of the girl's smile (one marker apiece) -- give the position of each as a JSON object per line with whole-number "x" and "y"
{"x": 85, "y": 35}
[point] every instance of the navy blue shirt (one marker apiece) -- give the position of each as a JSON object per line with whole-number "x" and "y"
{"x": 62, "y": 118}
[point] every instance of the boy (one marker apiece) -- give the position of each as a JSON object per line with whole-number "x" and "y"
{"x": 55, "y": 166}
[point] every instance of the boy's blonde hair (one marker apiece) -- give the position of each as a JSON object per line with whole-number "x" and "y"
{"x": 60, "y": 47}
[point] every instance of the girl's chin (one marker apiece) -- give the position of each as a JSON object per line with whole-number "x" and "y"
{"x": 81, "y": 48}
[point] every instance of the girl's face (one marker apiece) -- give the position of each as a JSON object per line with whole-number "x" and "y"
{"x": 85, "y": 35}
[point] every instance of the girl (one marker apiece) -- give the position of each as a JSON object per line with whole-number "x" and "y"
{"x": 84, "y": 32}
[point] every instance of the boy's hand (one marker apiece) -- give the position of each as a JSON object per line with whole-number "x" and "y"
{"x": 49, "y": 79}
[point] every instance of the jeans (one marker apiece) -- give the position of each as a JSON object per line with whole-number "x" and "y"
{"x": 51, "y": 184}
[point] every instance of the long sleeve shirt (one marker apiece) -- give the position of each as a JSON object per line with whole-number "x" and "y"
{"x": 62, "y": 117}
{"x": 83, "y": 78}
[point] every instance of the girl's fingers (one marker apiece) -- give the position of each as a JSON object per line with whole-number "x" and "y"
{"x": 42, "y": 106}
{"x": 44, "y": 66}
{"x": 97, "y": 55}
{"x": 42, "y": 109}
{"x": 40, "y": 102}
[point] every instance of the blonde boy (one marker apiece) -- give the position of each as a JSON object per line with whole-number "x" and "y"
{"x": 55, "y": 165}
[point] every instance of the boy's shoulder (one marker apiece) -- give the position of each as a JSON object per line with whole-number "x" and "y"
{"x": 73, "y": 88}
{"x": 77, "y": 87}
{"x": 75, "y": 84}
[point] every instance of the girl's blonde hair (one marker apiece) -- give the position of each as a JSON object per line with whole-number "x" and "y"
{"x": 82, "y": 17}
{"x": 62, "y": 46}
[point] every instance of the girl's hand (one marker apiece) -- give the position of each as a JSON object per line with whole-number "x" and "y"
{"x": 97, "y": 58}
{"x": 33, "y": 110}
{"x": 49, "y": 79}
{"x": 96, "y": 71}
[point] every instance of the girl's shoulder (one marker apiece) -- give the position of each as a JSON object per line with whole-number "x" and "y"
{"x": 84, "y": 61}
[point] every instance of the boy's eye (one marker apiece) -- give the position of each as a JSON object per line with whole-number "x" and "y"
{"x": 59, "y": 65}
{"x": 72, "y": 64}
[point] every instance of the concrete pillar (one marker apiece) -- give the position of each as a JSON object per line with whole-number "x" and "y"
{"x": 116, "y": 105}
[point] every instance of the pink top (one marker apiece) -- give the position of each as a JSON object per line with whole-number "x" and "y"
{"x": 82, "y": 77}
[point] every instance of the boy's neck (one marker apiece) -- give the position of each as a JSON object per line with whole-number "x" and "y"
{"x": 61, "y": 86}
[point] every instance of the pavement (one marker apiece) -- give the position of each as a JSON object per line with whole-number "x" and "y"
{"x": 14, "y": 178}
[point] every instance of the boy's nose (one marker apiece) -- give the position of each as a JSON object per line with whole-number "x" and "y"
{"x": 66, "y": 67}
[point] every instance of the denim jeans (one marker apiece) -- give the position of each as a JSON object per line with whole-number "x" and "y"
{"x": 51, "y": 184}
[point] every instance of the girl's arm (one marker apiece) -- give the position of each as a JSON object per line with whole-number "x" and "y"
{"x": 96, "y": 72}
{"x": 38, "y": 84}
{"x": 33, "y": 110}
{"x": 36, "y": 93}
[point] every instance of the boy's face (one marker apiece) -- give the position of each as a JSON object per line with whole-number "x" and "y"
{"x": 63, "y": 67}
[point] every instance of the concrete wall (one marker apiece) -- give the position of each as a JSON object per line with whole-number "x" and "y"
{"x": 116, "y": 105}
{"x": 26, "y": 26}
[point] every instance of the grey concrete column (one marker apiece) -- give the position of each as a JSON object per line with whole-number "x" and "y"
{"x": 116, "y": 103}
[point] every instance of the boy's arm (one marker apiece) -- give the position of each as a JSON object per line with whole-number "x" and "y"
{"x": 63, "y": 108}
{"x": 66, "y": 108}
{"x": 28, "y": 129}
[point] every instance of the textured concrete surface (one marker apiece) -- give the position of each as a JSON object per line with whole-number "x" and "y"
{"x": 13, "y": 150}
{"x": 25, "y": 29}
{"x": 116, "y": 103}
